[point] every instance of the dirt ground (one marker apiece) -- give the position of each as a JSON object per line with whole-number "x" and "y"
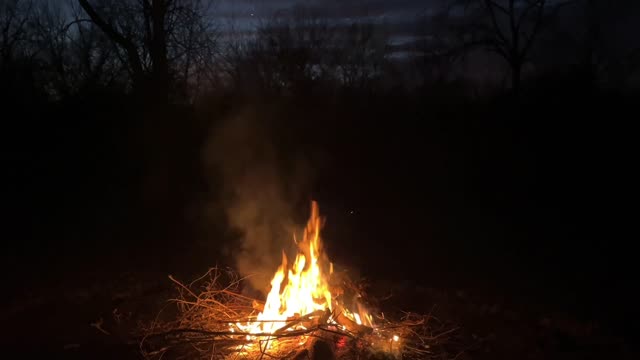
{"x": 95, "y": 322}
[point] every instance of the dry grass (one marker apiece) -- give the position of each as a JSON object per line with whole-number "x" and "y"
{"x": 209, "y": 307}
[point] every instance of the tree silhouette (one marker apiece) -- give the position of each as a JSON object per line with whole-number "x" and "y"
{"x": 161, "y": 41}
{"x": 510, "y": 28}
{"x": 300, "y": 51}
{"x": 15, "y": 30}
{"x": 19, "y": 52}
{"x": 288, "y": 53}
{"x": 361, "y": 55}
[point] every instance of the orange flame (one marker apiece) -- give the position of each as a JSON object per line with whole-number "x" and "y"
{"x": 302, "y": 288}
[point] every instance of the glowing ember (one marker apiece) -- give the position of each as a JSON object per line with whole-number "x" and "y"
{"x": 303, "y": 288}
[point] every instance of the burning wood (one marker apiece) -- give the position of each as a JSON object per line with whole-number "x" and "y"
{"x": 344, "y": 322}
{"x": 300, "y": 310}
{"x": 308, "y": 321}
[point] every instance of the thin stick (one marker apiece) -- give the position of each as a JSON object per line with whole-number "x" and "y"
{"x": 182, "y": 286}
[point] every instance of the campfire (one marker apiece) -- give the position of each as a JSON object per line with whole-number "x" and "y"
{"x": 309, "y": 312}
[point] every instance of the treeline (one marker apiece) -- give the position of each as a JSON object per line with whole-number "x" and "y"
{"x": 178, "y": 51}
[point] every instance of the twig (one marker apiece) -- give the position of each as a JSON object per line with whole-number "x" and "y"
{"x": 98, "y": 325}
{"x": 182, "y": 286}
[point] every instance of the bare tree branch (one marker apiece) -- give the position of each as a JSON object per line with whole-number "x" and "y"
{"x": 126, "y": 44}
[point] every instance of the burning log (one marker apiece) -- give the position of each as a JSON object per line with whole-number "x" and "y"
{"x": 343, "y": 320}
{"x": 307, "y": 321}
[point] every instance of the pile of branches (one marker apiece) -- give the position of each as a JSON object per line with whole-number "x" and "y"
{"x": 210, "y": 307}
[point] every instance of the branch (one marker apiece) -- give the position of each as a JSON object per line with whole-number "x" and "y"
{"x": 513, "y": 25}
{"x": 20, "y": 28}
{"x": 115, "y": 36}
{"x": 77, "y": 21}
{"x": 525, "y": 12}
{"x": 536, "y": 29}
{"x": 498, "y": 50}
{"x": 497, "y": 6}
{"x": 494, "y": 21}
{"x": 286, "y": 334}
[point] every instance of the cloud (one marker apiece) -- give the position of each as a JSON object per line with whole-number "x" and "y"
{"x": 329, "y": 8}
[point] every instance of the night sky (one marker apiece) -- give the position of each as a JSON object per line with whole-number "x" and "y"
{"x": 246, "y": 14}
{"x": 331, "y": 8}
{"x": 400, "y": 19}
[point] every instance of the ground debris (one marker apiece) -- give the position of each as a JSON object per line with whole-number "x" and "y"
{"x": 212, "y": 309}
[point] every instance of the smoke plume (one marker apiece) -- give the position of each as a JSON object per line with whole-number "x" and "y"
{"x": 262, "y": 185}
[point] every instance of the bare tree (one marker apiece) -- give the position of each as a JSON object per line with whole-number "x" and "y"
{"x": 15, "y": 35}
{"x": 50, "y": 27}
{"x": 509, "y": 28}
{"x": 91, "y": 55}
{"x": 595, "y": 39}
{"x": 69, "y": 53}
{"x": 19, "y": 64}
{"x": 161, "y": 41}
{"x": 360, "y": 53}
{"x": 300, "y": 50}
{"x": 289, "y": 53}
{"x": 437, "y": 48}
